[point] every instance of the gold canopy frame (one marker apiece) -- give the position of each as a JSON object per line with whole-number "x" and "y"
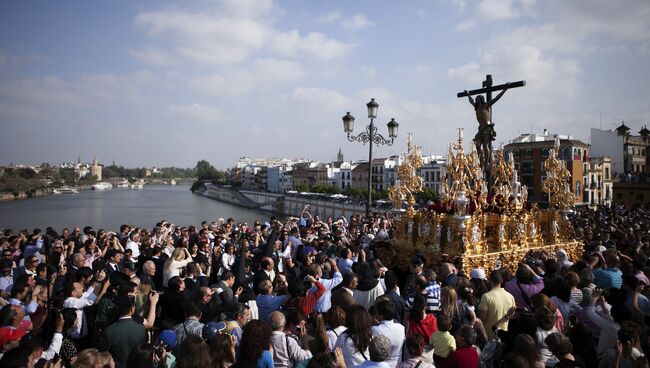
{"x": 473, "y": 228}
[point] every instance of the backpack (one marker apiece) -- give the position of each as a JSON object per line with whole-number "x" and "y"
{"x": 491, "y": 354}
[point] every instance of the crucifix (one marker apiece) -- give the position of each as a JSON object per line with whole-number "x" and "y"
{"x": 483, "y": 107}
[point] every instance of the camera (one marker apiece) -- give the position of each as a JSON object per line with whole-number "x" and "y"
{"x": 161, "y": 348}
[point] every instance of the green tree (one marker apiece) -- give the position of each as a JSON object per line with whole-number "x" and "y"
{"x": 205, "y": 171}
{"x": 426, "y": 195}
{"x": 301, "y": 188}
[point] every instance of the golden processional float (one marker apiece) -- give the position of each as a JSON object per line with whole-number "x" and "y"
{"x": 472, "y": 226}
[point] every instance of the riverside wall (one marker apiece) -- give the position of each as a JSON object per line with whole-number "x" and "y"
{"x": 280, "y": 204}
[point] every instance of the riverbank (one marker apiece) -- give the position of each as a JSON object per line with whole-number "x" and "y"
{"x": 7, "y": 196}
{"x": 280, "y": 204}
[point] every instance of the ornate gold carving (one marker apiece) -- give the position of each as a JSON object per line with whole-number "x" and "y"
{"x": 558, "y": 181}
{"x": 408, "y": 182}
{"x": 472, "y": 228}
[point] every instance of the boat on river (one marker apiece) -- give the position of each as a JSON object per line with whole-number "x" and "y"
{"x": 102, "y": 186}
{"x": 66, "y": 190}
{"x": 138, "y": 185}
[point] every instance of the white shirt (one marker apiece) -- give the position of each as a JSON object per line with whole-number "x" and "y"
{"x": 351, "y": 354}
{"x": 135, "y": 248}
{"x": 80, "y": 328}
{"x": 228, "y": 260}
{"x": 333, "y": 336}
{"x": 367, "y": 297}
{"x": 271, "y": 274}
{"x": 174, "y": 269}
{"x": 396, "y": 334}
{"x": 54, "y": 348}
{"x": 371, "y": 364}
{"x": 324, "y": 303}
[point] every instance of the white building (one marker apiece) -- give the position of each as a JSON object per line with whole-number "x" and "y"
{"x": 383, "y": 171}
{"x": 343, "y": 178}
{"x": 433, "y": 172}
{"x": 279, "y": 179}
{"x": 598, "y": 181}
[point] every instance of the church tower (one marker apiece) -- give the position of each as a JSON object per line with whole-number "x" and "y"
{"x": 339, "y": 156}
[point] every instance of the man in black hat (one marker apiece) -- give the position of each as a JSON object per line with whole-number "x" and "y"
{"x": 416, "y": 267}
{"x": 129, "y": 270}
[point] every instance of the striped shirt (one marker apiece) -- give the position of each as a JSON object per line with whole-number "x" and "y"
{"x": 188, "y": 327}
{"x": 432, "y": 295}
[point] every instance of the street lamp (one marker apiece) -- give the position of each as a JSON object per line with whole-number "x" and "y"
{"x": 370, "y": 135}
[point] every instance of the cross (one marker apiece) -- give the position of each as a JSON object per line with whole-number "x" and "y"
{"x": 483, "y": 108}
{"x": 488, "y": 88}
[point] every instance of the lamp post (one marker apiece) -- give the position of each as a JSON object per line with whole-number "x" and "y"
{"x": 371, "y": 136}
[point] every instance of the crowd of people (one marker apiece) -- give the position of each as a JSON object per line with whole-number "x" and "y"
{"x": 311, "y": 292}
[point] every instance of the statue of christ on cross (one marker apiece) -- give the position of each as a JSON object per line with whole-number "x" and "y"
{"x": 483, "y": 107}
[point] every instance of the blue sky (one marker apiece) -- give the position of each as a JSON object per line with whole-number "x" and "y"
{"x": 170, "y": 83}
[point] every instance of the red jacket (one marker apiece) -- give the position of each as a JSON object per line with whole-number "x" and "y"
{"x": 306, "y": 304}
{"x": 425, "y": 327}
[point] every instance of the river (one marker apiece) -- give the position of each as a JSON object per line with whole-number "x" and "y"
{"x": 111, "y": 208}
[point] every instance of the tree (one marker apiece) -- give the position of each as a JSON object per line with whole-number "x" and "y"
{"x": 205, "y": 171}
{"x": 426, "y": 195}
{"x": 301, "y": 188}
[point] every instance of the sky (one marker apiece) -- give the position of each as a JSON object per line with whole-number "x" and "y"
{"x": 145, "y": 83}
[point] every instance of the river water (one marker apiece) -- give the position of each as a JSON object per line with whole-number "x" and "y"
{"x": 111, "y": 208}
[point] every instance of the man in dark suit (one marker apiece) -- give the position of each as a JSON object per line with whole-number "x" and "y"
{"x": 113, "y": 264}
{"x": 344, "y": 296}
{"x": 125, "y": 334}
{"x": 172, "y": 301}
{"x": 265, "y": 272}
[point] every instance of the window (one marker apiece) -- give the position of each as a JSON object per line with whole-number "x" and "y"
{"x": 639, "y": 197}
{"x": 566, "y": 155}
{"x": 527, "y": 167}
{"x": 545, "y": 152}
{"x": 516, "y": 153}
{"x": 529, "y": 152}
{"x": 578, "y": 188}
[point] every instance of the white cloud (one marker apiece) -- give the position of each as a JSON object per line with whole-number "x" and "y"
{"x": 358, "y": 21}
{"x": 495, "y": 9}
{"x": 218, "y": 39}
{"x": 330, "y": 17}
{"x": 52, "y": 98}
{"x": 469, "y": 72}
{"x": 321, "y": 99}
{"x": 549, "y": 54}
{"x": 465, "y": 25}
{"x": 153, "y": 56}
{"x": 315, "y": 45}
{"x": 195, "y": 112}
{"x": 263, "y": 73}
{"x": 247, "y": 8}
{"x": 206, "y": 38}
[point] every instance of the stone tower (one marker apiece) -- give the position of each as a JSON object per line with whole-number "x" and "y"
{"x": 96, "y": 169}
